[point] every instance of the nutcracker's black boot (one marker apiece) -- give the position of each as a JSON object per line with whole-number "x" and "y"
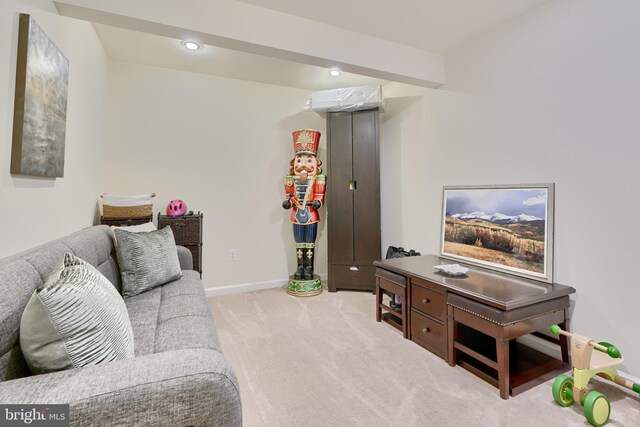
{"x": 309, "y": 255}
{"x": 300, "y": 257}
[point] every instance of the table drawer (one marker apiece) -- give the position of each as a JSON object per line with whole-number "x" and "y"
{"x": 429, "y": 334}
{"x": 392, "y": 287}
{"x": 187, "y": 229}
{"x": 390, "y": 276}
{"x": 428, "y": 302}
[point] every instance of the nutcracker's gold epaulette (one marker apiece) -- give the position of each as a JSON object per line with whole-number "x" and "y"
{"x": 288, "y": 179}
{"x": 321, "y": 178}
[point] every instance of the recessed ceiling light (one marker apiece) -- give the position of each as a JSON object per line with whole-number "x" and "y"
{"x": 334, "y": 72}
{"x": 191, "y": 45}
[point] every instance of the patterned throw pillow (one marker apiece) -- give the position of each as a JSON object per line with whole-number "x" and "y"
{"x": 76, "y": 318}
{"x": 146, "y": 260}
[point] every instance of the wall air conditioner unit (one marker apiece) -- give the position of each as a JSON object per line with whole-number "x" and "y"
{"x": 347, "y": 99}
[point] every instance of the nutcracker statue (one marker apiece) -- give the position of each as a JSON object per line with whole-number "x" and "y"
{"x": 304, "y": 189}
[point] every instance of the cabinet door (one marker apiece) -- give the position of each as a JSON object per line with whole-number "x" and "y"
{"x": 339, "y": 195}
{"x": 366, "y": 196}
{"x": 353, "y": 199}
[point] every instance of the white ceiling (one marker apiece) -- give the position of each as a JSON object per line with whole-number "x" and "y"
{"x": 142, "y": 48}
{"x": 438, "y": 26}
{"x": 435, "y": 25}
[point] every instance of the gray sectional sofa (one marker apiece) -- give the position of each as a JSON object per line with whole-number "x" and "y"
{"x": 178, "y": 377}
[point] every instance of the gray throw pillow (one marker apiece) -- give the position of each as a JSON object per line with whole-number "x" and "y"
{"x": 76, "y": 318}
{"x": 146, "y": 260}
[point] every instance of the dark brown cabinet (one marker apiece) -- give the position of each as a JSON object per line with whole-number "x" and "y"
{"x": 187, "y": 231}
{"x": 353, "y": 199}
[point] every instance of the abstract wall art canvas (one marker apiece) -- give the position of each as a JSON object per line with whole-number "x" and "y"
{"x": 507, "y": 228}
{"x": 40, "y": 108}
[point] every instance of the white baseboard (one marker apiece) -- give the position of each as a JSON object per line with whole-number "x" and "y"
{"x": 553, "y": 350}
{"x": 250, "y": 287}
{"x": 629, "y": 377}
{"x": 543, "y": 346}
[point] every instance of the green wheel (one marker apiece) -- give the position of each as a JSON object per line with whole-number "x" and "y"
{"x": 562, "y": 390}
{"x": 597, "y": 408}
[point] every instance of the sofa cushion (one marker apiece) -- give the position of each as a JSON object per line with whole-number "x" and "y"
{"x": 174, "y": 316}
{"x": 143, "y": 312}
{"x": 76, "y": 318}
{"x": 146, "y": 259}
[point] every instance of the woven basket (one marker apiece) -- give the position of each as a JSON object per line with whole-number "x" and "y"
{"x": 116, "y": 207}
{"x": 127, "y": 211}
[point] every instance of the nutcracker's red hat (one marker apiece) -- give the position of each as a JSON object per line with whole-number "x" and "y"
{"x": 306, "y": 141}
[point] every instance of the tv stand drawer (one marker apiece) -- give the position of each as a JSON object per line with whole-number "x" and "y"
{"x": 429, "y": 333}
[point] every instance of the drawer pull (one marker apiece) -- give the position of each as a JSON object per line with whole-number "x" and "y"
{"x": 426, "y": 300}
{"x": 426, "y": 330}
{"x": 353, "y": 268}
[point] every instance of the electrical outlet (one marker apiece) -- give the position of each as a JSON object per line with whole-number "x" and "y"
{"x": 233, "y": 255}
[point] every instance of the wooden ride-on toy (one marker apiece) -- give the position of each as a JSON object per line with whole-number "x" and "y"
{"x": 587, "y": 363}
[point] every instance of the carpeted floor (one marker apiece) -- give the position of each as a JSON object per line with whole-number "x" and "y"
{"x": 325, "y": 361}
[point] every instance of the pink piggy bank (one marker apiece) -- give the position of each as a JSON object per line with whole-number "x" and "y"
{"x": 176, "y": 208}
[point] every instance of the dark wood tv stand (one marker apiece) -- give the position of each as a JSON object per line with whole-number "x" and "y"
{"x": 473, "y": 320}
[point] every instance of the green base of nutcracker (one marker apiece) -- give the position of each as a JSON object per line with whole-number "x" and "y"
{"x": 304, "y": 288}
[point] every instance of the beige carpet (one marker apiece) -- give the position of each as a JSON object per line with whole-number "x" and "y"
{"x": 325, "y": 361}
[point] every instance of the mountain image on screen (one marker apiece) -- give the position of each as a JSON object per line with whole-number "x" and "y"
{"x": 512, "y": 240}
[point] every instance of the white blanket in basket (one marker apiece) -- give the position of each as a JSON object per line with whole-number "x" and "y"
{"x": 141, "y": 200}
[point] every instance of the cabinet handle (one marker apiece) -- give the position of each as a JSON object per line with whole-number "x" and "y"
{"x": 426, "y": 300}
{"x": 353, "y": 185}
{"x": 426, "y": 330}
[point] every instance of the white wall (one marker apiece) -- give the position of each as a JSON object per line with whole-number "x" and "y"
{"x": 221, "y": 145}
{"x": 36, "y": 210}
{"x": 551, "y": 97}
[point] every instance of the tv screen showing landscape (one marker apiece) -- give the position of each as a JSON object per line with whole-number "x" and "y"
{"x": 508, "y": 228}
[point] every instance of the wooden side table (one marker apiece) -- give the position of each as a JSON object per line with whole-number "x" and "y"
{"x": 187, "y": 230}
